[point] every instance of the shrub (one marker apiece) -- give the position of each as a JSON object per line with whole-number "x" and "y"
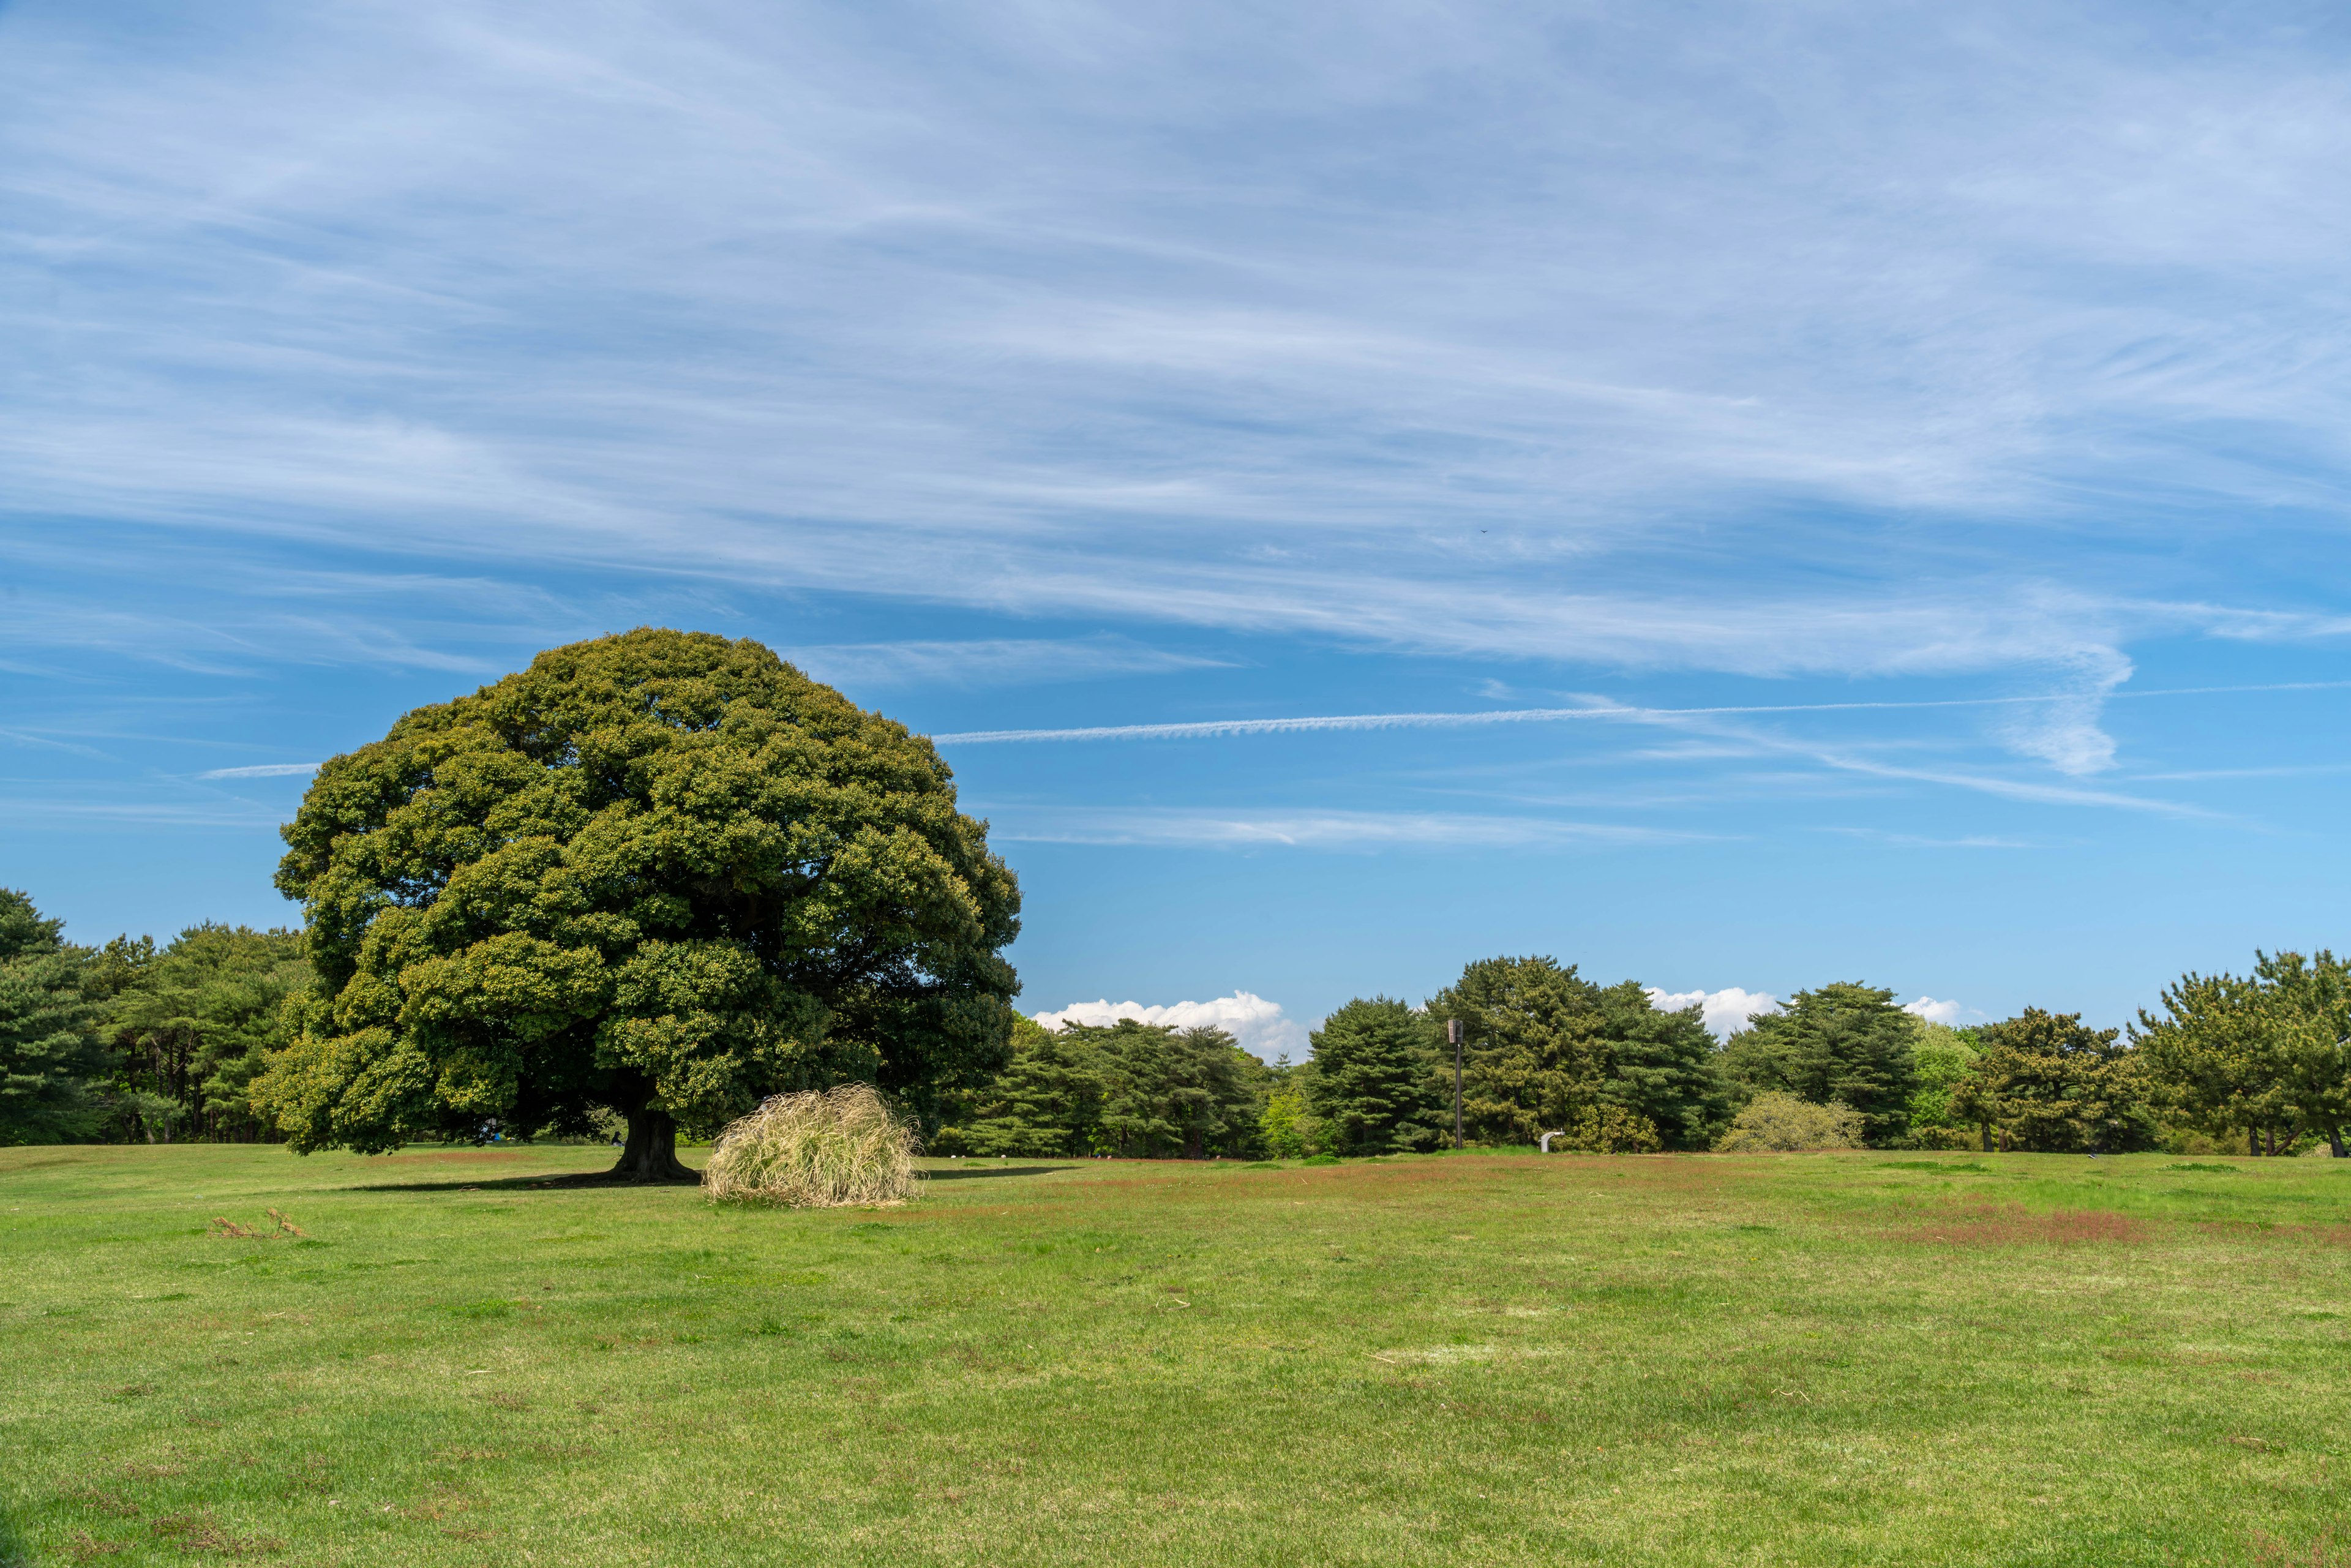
{"x": 1775, "y": 1120}
{"x": 815, "y": 1151}
{"x": 1608, "y": 1129}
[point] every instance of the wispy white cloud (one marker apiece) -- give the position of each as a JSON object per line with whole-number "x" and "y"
{"x": 1001, "y": 319}
{"x": 1317, "y": 830}
{"x": 1257, "y": 1025}
{"x": 262, "y": 771}
{"x": 987, "y": 660}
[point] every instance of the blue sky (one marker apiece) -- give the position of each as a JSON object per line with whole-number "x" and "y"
{"x": 1891, "y": 458}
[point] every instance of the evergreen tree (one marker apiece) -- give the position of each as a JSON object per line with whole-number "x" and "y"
{"x": 192, "y": 1025}
{"x": 2265, "y": 1054}
{"x": 1375, "y": 1078}
{"x": 48, "y": 1043}
{"x": 2055, "y": 1086}
{"x": 1661, "y": 1068}
{"x": 1547, "y": 1050}
{"x": 1186, "y": 1094}
{"x": 1532, "y": 1057}
{"x": 1842, "y": 1041}
{"x": 1046, "y": 1103}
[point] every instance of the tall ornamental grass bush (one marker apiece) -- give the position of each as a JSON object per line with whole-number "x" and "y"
{"x": 816, "y": 1150}
{"x": 1777, "y": 1121}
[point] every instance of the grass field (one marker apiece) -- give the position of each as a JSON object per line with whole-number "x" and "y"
{"x": 1465, "y": 1360}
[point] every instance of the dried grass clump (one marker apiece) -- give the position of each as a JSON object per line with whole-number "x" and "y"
{"x": 1777, "y": 1121}
{"x": 817, "y": 1150}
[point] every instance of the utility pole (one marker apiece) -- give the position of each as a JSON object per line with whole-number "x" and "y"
{"x": 1453, "y": 1034}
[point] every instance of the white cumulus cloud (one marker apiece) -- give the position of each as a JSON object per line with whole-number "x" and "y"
{"x": 1933, "y": 1011}
{"x": 1258, "y": 1024}
{"x": 1726, "y": 1012}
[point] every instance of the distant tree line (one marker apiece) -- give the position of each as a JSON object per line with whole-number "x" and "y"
{"x": 2265, "y": 1059}
{"x": 135, "y": 1043}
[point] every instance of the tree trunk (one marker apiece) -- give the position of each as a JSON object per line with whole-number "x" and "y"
{"x": 2272, "y": 1131}
{"x": 651, "y": 1154}
{"x": 2334, "y": 1142}
{"x": 1987, "y": 1137}
{"x": 2253, "y": 1142}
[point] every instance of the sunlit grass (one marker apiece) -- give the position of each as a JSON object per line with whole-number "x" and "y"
{"x": 1812, "y": 1359}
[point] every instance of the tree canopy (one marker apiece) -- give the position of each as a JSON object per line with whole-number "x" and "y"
{"x": 1547, "y": 1049}
{"x": 48, "y": 1043}
{"x": 659, "y": 873}
{"x": 1129, "y": 1088}
{"x": 1374, "y": 1088}
{"x": 2271, "y": 1050}
{"x": 193, "y": 1024}
{"x": 1844, "y": 1042}
{"x": 2056, "y": 1086}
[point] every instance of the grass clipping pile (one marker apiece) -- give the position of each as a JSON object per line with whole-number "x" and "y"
{"x": 818, "y": 1150}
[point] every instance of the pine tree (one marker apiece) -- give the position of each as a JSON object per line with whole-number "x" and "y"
{"x": 2056, "y": 1086}
{"x": 49, "y": 1048}
{"x": 1842, "y": 1041}
{"x": 1046, "y": 1103}
{"x": 1375, "y": 1081}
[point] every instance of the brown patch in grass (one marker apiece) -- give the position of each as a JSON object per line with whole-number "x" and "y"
{"x": 115, "y": 1503}
{"x": 509, "y": 1402}
{"x": 87, "y": 1547}
{"x": 230, "y": 1230}
{"x": 202, "y": 1532}
{"x": 2269, "y": 1552}
{"x": 2012, "y": 1224}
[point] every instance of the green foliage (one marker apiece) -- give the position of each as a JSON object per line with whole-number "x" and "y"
{"x": 659, "y": 873}
{"x": 1287, "y": 1128}
{"x": 1187, "y": 1094}
{"x": 2056, "y": 1086}
{"x": 49, "y": 1042}
{"x": 1548, "y": 1049}
{"x": 1048, "y": 1101}
{"x": 1135, "y": 1089}
{"x": 1375, "y": 1085}
{"x": 1777, "y": 1121}
{"x": 1842, "y": 1041}
{"x": 1943, "y": 1056}
{"x": 192, "y": 1025}
{"x": 2269, "y": 1051}
{"x": 1605, "y": 1128}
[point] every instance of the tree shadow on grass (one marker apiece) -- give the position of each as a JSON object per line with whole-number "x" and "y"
{"x": 571, "y": 1179}
{"x": 575, "y": 1180}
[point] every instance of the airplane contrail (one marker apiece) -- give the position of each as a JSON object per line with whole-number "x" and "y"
{"x": 1206, "y": 728}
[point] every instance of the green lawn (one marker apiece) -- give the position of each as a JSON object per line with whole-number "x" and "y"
{"x": 1462, "y": 1360}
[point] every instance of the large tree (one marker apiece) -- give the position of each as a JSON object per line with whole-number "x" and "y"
{"x": 191, "y": 1026}
{"x": 1547, "y": 1049}
{"x": 2055, "y": 1085}
{"x": 1842, "y": 1041}
{"x": 2265, "y": 1052}
{"x": 1047, "y": 1101}
{"x": 48, "y": 1044}
{"x": 661, "y": 874}
{"x": 1374, "y": 1085}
